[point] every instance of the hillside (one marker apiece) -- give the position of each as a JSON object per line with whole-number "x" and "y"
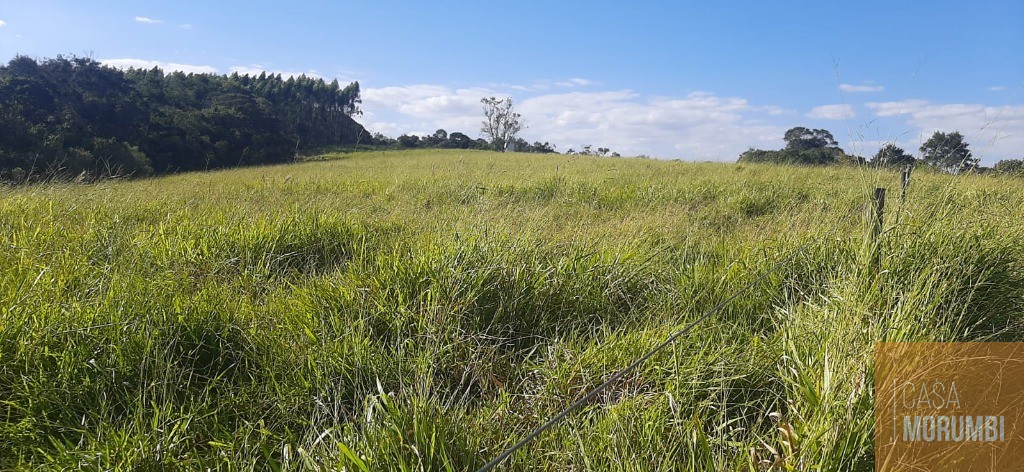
{"x": 424, "y": 310}
{"x": 76, "y": 118}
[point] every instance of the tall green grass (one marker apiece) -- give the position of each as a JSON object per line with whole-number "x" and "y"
{"x": 425, "y": 310}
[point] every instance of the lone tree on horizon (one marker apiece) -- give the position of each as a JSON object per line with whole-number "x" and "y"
{"x": 802, "y": 139}
{"x": 892, "y": 155}
{"x": 501, "y": 123}
{"x": 949, "y": 152}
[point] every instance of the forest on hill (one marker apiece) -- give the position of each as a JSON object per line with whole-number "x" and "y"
{"x": 73, "y": 116}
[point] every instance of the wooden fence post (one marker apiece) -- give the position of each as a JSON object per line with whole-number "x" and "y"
{"x": 876, "y": 226}
{"x": 906, "y": 181}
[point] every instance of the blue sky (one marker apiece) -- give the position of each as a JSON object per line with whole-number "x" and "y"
{"x": 691, "y": 80}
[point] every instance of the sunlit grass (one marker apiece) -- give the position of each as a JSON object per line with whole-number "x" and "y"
{"x": 424, "y": 310}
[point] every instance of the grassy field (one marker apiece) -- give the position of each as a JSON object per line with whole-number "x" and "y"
{"x": 424, "y": 310}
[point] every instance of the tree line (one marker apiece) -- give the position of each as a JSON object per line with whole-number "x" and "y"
{"x": 72, "y": 116}
{"x": 441, "y": 139}
{"x": 948, "y": 152}
{"x": 501, "y": 125}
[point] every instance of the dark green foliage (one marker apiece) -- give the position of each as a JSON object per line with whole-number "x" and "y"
{"x": 407, "y": 141}
{"x": 801, "y": 139}
{"x": 1010, "y": 166}
{"x": 461, "y": 141}
{"x": 759, "y": 156}
{"x": 892, "y": 155}
{"x": 803, "y": 146}
{"x": 820, "y": 156}
{"x": 67, "y": 117}
{"x": 436, "y": 140}
{"x": 949, "y": 152}
{"x": 456, "y": 140}
{"x": 538, "y": 147}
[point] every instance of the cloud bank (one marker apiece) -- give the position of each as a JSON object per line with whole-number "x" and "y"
{"x": 698, "y": 126}
{"x": 832, "y": 112}
{"x": 861, "y": 88}
{"x": 992, "y": 132}
{"x": 574, "y": 82}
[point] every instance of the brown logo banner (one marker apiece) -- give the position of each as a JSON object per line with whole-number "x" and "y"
{"x": 949, "y": 406}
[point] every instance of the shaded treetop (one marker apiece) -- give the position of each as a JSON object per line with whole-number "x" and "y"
{"x": 72, "y": 115}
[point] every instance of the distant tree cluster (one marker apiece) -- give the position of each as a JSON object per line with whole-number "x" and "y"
{"x": 948, "y": 152}
{"x": 945, "y": 151}
{"x": 501, "y": 127}
{"x": 803, "y": 146}
{"x": 1014, "y": 167}
{"x": 892, "y": 155}
{"x": 441, "y": 139}
{"x": 74, "y": 116}
{"x": 588, "y": 150}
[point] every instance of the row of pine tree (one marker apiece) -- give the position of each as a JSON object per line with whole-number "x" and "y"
{"x": 72, "y": 116}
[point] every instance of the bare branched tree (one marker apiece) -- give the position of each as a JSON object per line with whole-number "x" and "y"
{"x": 501, "y": 123}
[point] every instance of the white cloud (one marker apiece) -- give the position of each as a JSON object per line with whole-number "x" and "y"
{"x": 257, "y": 69}
{"x": 574, "y": 82}
{"x": 993, "y": 132}
{"x": 997, "y": 88}
{"x": 832, "y": 112}
{"x": 896, "y": 108}
{"x": 143, "y": 19}
{"x": 860, "y": 88}
{"x": 701, "y": 125}
{"x": 166, "y": 66}
{"x": 418, "y": 107}
{"x": 3, "y": 23}
{"x": 773, "y": 110}
{"x": 185, "y": 26}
